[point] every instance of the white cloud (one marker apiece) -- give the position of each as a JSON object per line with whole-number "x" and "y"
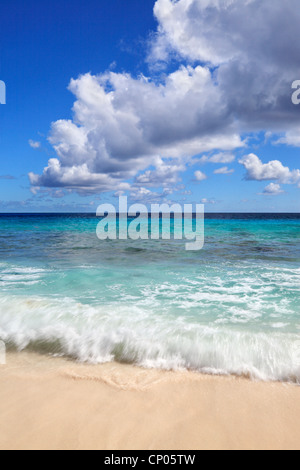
{"x": 146, "y": 130}
{"x": 200, "y": 176}
{"x": 34, "y": 144}
{"x": 291, "y": 137}
{"x": 222, "y": 158}
{"x": 219, "y": 31}
{"x": 254, "y": 65}
{"x": 77, "y": 177}
{"x": 165, "y": 174}
{"x": 224, "y": 171}
{"x": 273, "y": 189}
{"x": 273, "y": 170}
{"x": 123, "y": 126}
{"x": 140, "y": 194}
{"x": 182, "y": 27}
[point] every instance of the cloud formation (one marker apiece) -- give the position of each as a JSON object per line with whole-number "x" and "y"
{"x": 200, "y": 176}
{"x": 222, "y": 158}
{"x": 224, "y": 171}
{"x": 292, "y": 137}
{"x": 273, "y": 189}
{"x": 124, "y": 125}
{"x": 234, "y": 75}
{"x": 250, "y": 46}
{"x": 34, "y": 144}
{"x": 273, "y": 170}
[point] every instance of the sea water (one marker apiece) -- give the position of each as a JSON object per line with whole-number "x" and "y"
{"x": 231, "y": 308}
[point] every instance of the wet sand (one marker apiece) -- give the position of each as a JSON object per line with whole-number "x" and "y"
{"x": 53, "y": 403}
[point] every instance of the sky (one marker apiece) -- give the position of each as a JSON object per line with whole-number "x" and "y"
{"x": 185, "y": 101}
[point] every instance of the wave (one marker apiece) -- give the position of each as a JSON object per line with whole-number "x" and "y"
{"x": 135, "y": 335}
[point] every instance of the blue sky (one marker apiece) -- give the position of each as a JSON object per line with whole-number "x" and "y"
{"x": 163, "y": 103}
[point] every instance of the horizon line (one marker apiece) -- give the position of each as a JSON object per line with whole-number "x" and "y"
{"x": 149, "y": 213}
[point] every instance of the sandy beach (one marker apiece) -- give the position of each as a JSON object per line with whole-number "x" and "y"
{"x": 53, "y": 403}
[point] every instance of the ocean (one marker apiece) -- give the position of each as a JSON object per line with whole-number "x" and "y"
{"x": 231, "y": 308}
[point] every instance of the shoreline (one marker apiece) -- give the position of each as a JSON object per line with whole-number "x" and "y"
{"x": 54, "y": 403}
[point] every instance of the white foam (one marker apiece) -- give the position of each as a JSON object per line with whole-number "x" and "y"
{"x": 142, "y": 336}
{"x": 17, "y": 276}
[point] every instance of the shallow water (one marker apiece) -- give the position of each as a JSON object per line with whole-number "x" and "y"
{"x": 230, "y": 308}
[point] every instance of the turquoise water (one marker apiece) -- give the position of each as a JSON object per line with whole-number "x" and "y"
{"x": 232, "y": 308}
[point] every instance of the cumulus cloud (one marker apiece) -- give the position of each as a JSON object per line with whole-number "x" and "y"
{"x": 217, "y": 31}
{"x": 76, "y": 177}
{"x": 140, "y": 194}
{"x": 165, "y": 174}
{"x": 291, "y": 137}
{"x": 145, "y": 130}
{"x": 124, "y": 125}
{"x": 254, "y": 65}
{"x": 273, "y": 189}
{"x": 221, "y": 157}
{"x": 34, "y": 144}
{"x": 200, "y": 176}
{"x": 273, "y": 170}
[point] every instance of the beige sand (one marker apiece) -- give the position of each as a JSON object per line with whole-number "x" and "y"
{"x": 48, "y": 403}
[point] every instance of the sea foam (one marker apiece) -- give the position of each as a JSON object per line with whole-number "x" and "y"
{"x": 132, "y": 335}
